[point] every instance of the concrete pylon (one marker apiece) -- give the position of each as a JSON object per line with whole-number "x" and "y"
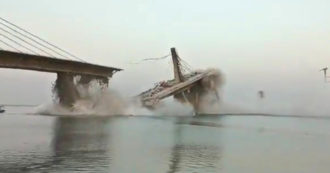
{"x": 176, "y": 67}
{"x": 66, "y": 89}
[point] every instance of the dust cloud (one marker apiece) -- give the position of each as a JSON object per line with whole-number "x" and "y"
{"x": 95, "y": 99}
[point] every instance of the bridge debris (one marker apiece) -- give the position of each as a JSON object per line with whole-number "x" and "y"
{"x": 186, "y": 88}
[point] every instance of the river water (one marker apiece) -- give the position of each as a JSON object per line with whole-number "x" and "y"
{"x": 150, "y": 144}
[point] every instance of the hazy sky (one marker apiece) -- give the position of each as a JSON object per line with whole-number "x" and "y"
{"x": 275, "y": 45}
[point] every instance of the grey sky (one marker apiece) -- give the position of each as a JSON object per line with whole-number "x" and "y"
{"x": 275, "y": 45}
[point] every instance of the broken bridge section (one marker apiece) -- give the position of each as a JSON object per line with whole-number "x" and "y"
{"x": 186, "y": 87}
{"x": 21, "y": 49}
{"x": 66, "y": 70}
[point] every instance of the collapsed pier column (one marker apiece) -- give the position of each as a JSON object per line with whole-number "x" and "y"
{"x": 66, "y": 86}
{"x": 65, "y": 89}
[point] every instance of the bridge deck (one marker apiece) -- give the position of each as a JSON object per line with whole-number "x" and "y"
{"x": 152, "y": 96}
{"x": 47, "y": 64}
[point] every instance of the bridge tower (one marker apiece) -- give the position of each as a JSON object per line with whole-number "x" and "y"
{"x": 192, "y": 94}
{"x": 176, "y": 66}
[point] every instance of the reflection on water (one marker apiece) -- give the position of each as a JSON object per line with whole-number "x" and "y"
{"x": 192, "y": 157}
{"x": 81, "y": 141}
{"x": 81, "y": 134}
{"x": 106, "y": 144}
{"x": 163, "y": 144}
{"x": 77, "y": 144}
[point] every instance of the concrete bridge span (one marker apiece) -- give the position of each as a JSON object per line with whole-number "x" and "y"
{"x": 16, "y": 60}
{"x": 66, "y": 70}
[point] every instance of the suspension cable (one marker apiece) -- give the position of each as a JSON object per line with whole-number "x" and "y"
{"x": 25, "y": 41}
{"x": 35, "y": 41}
{"x": 7, "y": 44}
{"x": 42, "y": 39}
{"x": 19, "y": 44}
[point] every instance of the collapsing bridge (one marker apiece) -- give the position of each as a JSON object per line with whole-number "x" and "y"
{"x": 20, "y": 49}
{"x": 27, "y": 51}
{"x": 66, "y": 71}
{"x": 186, "y": 88}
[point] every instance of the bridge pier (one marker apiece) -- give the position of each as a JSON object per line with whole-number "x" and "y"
{"x": 65, "y": 89}
{"x": 65, "y": 86}
{"x": 192, "y": 96}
